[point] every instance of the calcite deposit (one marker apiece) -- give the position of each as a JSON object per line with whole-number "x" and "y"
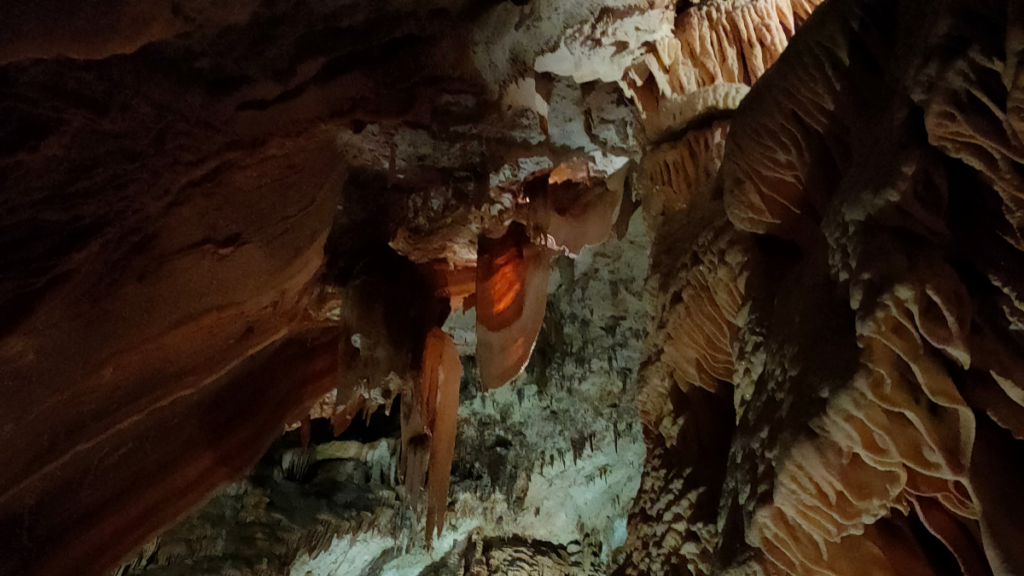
{"x": 577, "y": 287}
{"x": 850, "y": 319}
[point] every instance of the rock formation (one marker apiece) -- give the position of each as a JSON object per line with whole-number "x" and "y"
{"x": 774, "y": 244}
{"x": 810, "y": 392}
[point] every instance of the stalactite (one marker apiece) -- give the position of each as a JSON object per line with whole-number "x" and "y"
{"x": 573, "y": 212}
{"x": 456, "y": 283}
{"x": 718, "y": 50}
{"x": 511, "y": 293}
{"x": 429, "y": 425}
{"x": 441, "y": 358}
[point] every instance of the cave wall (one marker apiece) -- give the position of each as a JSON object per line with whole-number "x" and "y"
{"x": 221, "y": 222}
{"x": 834, "y": 358}
{"x": 202, "y": 205}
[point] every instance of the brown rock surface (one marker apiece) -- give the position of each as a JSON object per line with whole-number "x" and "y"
{"x": 862, "y": 353}
{"x": 221, "y": 222}
{"x": 196, "y": 210}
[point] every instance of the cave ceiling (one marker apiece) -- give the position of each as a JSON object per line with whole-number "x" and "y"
{"x": 473, "y": 288}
